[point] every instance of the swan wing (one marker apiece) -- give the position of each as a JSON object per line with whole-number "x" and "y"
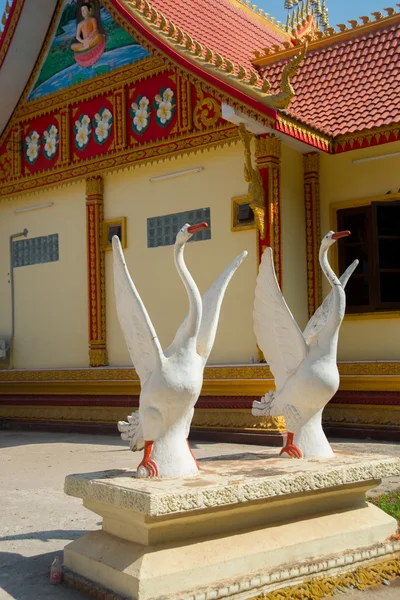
{"x": 277, "y": 332}
{"x": 212, "y": 301}
{"x": 140, "y": 336}
{"x": 320, "y": 317}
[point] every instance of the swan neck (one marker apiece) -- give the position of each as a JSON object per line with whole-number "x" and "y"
{"x": 195, "y": 304}
{"x": 338, "y": 306}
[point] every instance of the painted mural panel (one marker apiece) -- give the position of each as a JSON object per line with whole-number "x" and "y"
{"x": 87, "y": 42}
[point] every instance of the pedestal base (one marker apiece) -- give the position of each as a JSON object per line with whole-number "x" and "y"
{"x": 242, "y": 527}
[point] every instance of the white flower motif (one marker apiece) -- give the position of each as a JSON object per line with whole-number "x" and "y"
{"x": 144, "y": 102}
{"x": 85, "y": 120}
{"x": 53, "y": 131}
{"x": 134, "y": 106}
{"x": 102, "y": 130}
{"x": 51, "y": 146}
{"x": 107, "y": 115}
{"x": 77, "y": 124}
{"x": 140, "y": 119}
{"x": 82, "y": 137}
{"x": 164, "y": 112}
{"x": 158, "y": 99}
{"x": 168, "y": 95}
{"x": 32, "y": 152}
{"x": 97, "y": 117}
{"x": 35, "y": 136}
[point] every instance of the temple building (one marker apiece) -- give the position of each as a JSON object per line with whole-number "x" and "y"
{"x": 132, "y": 118}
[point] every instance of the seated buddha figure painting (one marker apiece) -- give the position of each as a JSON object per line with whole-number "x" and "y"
{"x": 86, "y": 43}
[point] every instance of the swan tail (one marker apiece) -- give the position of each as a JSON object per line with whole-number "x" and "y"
{"x": 131, "y": 431}
{"x": 266, "y": 406}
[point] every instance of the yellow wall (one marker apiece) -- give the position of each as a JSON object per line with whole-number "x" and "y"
{"x": 131, "y": 194}
{"x": 294, "y": 255}
{"x": 51, "y": 323}
{"x": 362, "y": 338}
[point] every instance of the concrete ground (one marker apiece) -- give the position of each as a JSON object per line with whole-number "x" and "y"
{"x": 37, "y": 520}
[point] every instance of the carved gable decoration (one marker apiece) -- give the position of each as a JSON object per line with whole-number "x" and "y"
{"x": 128, "y": 107}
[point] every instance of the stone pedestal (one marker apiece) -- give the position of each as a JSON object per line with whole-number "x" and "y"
{"x": 246, "y": 525}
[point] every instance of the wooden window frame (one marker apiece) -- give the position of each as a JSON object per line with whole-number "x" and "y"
{"x": 376, "y": 307}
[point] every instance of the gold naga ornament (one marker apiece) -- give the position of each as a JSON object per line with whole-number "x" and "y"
{"x": 253, "y": 178}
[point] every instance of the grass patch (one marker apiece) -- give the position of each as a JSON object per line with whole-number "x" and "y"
{"x": 390, "y": 503}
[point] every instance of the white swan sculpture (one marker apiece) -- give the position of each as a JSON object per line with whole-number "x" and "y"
{"x": 303, "y": 364}
{"x": 171, "y": 381}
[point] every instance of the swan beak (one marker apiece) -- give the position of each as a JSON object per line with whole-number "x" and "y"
{"x": 340, "y": 234}
{"x": 198, "y": 227}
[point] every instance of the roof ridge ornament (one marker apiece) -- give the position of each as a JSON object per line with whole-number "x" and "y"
{"x": 317, "y": 37}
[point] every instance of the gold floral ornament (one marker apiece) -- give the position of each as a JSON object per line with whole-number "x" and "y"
{"x": 254, "y": 179}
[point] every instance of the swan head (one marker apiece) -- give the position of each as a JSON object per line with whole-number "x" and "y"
{"x": 186, "y": 232}
{"x": 331, "y": 237}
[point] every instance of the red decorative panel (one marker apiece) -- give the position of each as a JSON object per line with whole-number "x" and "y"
{"x": 152, "y": 109}
{"x": 40, "y": 144}
{"x": 92, "y": 126}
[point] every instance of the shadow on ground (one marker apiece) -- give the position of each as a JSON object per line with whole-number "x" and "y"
{"x": 28, "y": 578}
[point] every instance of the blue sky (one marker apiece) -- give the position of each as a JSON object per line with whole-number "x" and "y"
{"x": 340, "y": 11}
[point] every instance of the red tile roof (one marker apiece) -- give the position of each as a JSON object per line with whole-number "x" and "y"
{"x": 347, "y": 86}
{"x": 226, "y": 26}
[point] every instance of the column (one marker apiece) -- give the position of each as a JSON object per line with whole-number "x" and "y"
{"x": 313, "y": 229}
{"x": 268, "y": 161}
{"x": 96, "y": 272}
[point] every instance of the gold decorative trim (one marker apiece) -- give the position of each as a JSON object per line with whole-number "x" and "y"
{"x": 231, "y": 372}
{"x": 244, "y": 380}
{"x": 120, "y": 222}
{"x": 350, "y": 415}
{"x": 136, "y": 156}
{"x": 11, "y": 27}
{"x": 318, "y": 588}
{"x": 313, "y": 230}
{"x": 370, "y": 135}
{"x": 303, "y": 132}
{"x": 265, "y": 19}
{"x": 235, "y": 224}
{"x": 246, "y": 387}
{"x": 96, "y": 272}
{"x": 232, "y": 419}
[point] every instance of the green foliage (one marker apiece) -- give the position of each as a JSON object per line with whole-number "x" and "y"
{"x": 390, "y": 503}
{"x": 69, "y": 14}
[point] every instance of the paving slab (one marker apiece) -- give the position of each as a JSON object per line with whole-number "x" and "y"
{"x": 37, "y": 519}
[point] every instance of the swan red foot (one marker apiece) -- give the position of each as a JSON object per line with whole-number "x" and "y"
{"x": 194, "y": 458}
{"x": 148, "y": 463}
{"x": 290, "y": 448}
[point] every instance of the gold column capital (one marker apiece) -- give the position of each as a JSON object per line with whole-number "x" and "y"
{"x": 268, "y": 147}
{"x": 94, "y": 186}
{"x": 311, "y": 163}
